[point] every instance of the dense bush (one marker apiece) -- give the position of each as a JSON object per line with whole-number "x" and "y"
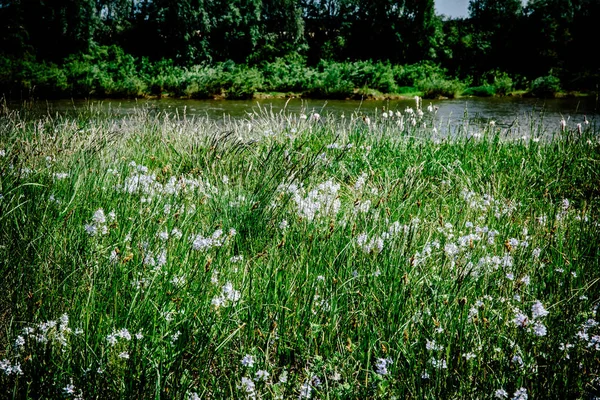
{"x": 378, "y": 76}
{"x": 436, "y": 87}
{"x": 503, "y": 83}
{"x": 481, "y": 91}
{"x": 545, "y": 86}
{"x": 286, "y": 75}
{"x": 107, "y": 71}
{"x": 332, "y": 81}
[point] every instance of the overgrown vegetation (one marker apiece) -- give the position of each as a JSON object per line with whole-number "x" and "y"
{"x": 109, "y": 72}
{"x": 297, "y": 256}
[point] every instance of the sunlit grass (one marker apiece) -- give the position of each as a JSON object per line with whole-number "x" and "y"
{"x": 291, "y": 255}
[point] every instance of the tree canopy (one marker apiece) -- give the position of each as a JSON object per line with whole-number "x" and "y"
{"x": 538, "y": 38}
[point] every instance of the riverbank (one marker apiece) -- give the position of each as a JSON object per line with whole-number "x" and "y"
{"x": 110, "y": 73}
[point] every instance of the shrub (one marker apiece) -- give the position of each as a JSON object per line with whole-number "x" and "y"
{"x": 545, "y": 86}
{"x": 242, "y": 83}
{"x": 286, "y": 75}
{"x": 440, "y": 87}
{"x": 377, "y": 76}
{"x": 503, "y": 83}
{"x": 333, "y": 82}
{"x": 480, "y": 91}
{"x": 203, "y": 82}
{"x": 412, "y": 75}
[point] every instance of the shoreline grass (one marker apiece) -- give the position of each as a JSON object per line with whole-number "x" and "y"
{"x": 296, "y": 256}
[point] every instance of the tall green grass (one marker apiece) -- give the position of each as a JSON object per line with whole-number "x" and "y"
{"x": 296, "y": 255}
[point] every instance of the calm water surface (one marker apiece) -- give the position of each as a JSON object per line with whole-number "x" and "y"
{"x": 506, "y": 111}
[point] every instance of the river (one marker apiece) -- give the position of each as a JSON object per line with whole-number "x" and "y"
{"x": 505, "y": 111}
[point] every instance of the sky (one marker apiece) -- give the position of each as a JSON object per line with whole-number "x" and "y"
{"x": 455, "y": 8}
{"x": 452, "y": 8}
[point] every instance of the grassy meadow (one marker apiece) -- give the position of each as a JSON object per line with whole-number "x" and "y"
{"x": 288, "y": 255}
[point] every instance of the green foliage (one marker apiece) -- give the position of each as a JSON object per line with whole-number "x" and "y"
{"x": 503, "y": 83}
{"x": 242, "y": 83}
{"x": 436, "y": 87}
{"x": 203, "y": 82}
{"x": 545, "y": 86}
{"x": 333, "y": 80}
{"x": 105, "y": 71}
{"x": 287, "y": 75}
{"x": 378, "y": 76}
{"x": 408, "y": 75}
{"x": 147, "y": 256}
{"x": 480, "y": 91}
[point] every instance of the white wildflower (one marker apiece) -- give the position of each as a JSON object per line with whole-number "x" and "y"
{"x": 538, "y": 310}
{"x": 261, "y": 375}
{"x": 520, "y": 394}
{"x": 381, "y": 365}
{"x": 248, "y": 361}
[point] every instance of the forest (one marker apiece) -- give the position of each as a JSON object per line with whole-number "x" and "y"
{"x": 321, "y": 48}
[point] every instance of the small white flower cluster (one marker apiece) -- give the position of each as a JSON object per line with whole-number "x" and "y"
{"x": 422, "y": 256}
{"x": 375, "y": 244}
{"x": 337, "y": 146}
{"x": 565, "y": 207}
{"x": 320, "y": 304}
{"x": 381, "y": 365}
{"x": 360, "y": 182}
{"x": 228, "y": 296}
{"x": 236, "y": 259}
{"x": 248, "y": 361}
{"x": 53, "y": 332}
{"x": 430, "y": 345}
{"x": 217, "y": 239}
{"x": 58, "y": 176}
{"x": 538, "y": 311}
{"x": 593, "y": 341}
{"x": 362, "y": 207}
{"x": 438, "y": 364}
{"x": 322, "y": 201}
{"x": 248, "y": 387}
{"x": 10, "y": 369}
{"x": 175, "y": 337}
{"x": 147, "y": 185}
{"x": 178, "y": 281}
{"x": 520, "y": 394}
{"x": 99, "y": 223}
{"x": 48, "y": 332}
{"x": 114, "y": 337}
{"x": 517, "y": 360}
{"x": 485, "y": 202}
{"x": 71, "y": 391}
{"x": 493, "y": 263}
{"x": 308, "y": 386}
{"x": 157, "y": 261}
{"x": 261, "y": 376}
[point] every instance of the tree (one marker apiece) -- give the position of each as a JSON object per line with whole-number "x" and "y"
{"x": 496, "y": 35}
{"x": 58, "y": 28}
{"x": 327, "y": 27}
{"x": 281, "y": 30}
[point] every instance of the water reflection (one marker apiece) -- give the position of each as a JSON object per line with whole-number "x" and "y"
{"x": 505, "y": 111}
